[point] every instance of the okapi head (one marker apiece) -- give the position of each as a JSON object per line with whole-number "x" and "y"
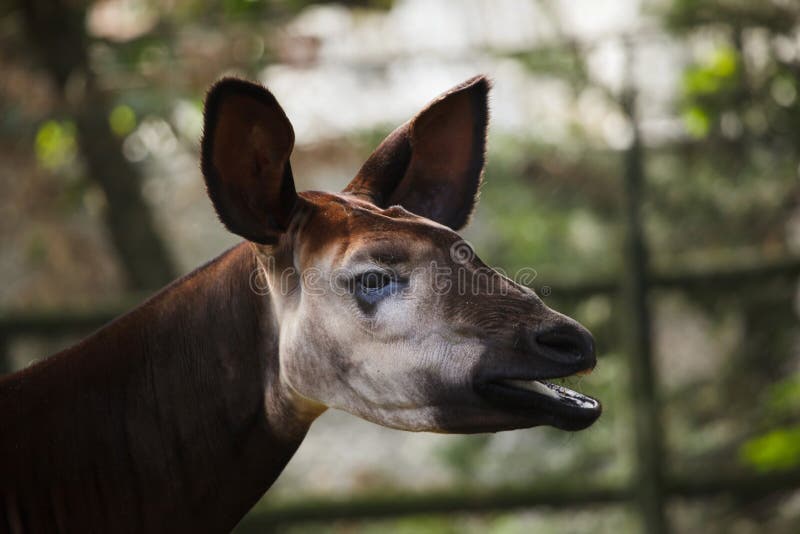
{"x": 382, "y": 310}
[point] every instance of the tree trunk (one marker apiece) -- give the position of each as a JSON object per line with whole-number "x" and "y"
{"x": 55, "y": 28}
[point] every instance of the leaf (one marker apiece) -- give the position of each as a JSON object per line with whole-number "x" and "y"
{"x": 776, "y": 450}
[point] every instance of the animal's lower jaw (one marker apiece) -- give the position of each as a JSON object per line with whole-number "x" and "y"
{"x": 553, "y": 391}
{"x": 549, "y": 403}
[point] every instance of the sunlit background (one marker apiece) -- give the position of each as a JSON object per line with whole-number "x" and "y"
{"x": 671, "y": 124}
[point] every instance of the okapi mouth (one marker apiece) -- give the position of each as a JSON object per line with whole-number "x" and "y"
{"x": 560, "y": 406}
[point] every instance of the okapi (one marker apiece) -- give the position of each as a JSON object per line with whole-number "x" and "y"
{"x": 179, "y": 415}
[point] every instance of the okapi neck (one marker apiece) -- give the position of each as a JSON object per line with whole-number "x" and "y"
{"x": 172, "y": 417}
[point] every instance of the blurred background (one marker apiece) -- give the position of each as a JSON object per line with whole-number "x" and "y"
{"x": 644, "y": 158}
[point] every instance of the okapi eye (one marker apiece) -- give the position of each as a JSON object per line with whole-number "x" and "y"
{"x": 372, "y": 287}
{"x": 374, "y": 280}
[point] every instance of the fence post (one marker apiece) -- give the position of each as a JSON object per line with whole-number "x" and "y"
{"x": 649, "y": 490}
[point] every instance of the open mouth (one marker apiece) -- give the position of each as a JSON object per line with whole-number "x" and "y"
{"x": 560, "y": 406}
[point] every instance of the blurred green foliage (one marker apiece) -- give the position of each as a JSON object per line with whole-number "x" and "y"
{"x": 122, "y": 120}
{"x": 55, "y": 144}
{"x": 708, "y": 81}
{"x": 784, "y": 397}
{"x": 775, "y": 450}
{"x": 779, "y": 447}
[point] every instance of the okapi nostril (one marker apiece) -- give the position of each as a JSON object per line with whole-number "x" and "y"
{"x": 559, "y": 342}
{"x": 567, "y": 343}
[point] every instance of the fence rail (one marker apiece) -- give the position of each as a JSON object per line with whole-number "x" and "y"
{"x": 743, "y": 486}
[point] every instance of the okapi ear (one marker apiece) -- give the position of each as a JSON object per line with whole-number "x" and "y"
{"x": 247, "y": 140}
{"x": 433, "y": 164}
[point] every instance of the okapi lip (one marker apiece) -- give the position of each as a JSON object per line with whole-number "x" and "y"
{"x": 566, "y": 409}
